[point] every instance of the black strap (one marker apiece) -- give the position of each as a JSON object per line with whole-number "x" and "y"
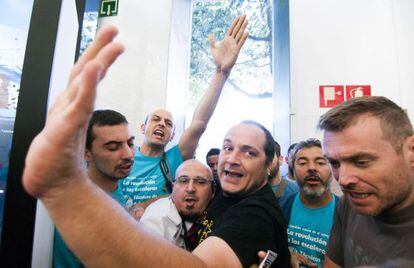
{"x": 167, "y": 173}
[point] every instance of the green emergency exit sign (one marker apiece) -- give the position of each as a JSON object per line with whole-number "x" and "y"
{"x": 108, "y": 8}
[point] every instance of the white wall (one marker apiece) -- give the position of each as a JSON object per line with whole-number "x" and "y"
{"x": 136, "y": 84}
{"x": 349, "y": 42}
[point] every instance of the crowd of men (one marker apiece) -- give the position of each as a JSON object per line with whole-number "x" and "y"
{"x": 231, "y": 211}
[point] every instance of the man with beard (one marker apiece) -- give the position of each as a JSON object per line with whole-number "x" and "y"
{"x": 109, "y": 155}
{"x": 281, "y": 186}
{"x": 310, "y": 212}
{"x": 172, "y": 217}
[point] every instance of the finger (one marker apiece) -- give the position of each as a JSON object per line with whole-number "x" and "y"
{"x": 212, "y": 41}
{"x": 107, "y": 56}
{"x": 238, "y": 25}
{"x": 240, "y": 33}
{"x": 305, "y": 260}
{"x": 262, "y": 255}
{"x": 242, "y": 40}
{"x": 233, "y": 24}
{"x": 104, "y": 36}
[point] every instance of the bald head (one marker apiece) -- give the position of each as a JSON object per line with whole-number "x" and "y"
{"x": 193, "y": 189}
{"x": 158, "y": 129}
{"x": 194, "y": 164}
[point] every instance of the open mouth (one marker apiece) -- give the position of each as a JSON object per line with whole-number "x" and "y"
{"x": 313, "y": 180}
{"x": 125, "y": 167}
{"x": 233, "y": 174}
{"x": 190, "y": 201}
{"x": 159, "y": 133}
{"x": 359, "y": 196}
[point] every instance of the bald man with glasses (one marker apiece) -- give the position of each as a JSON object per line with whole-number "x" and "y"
{"x": 172, "y": 217}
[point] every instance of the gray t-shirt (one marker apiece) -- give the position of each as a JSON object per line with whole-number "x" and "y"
{"x": 364, "y": 240}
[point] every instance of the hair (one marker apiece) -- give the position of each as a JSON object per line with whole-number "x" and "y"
{"x": 395, "y": 124}
{"x": 309, "y": 143}
{"x": 213, "y": 151}
{"x": 277, "y": 149}
{"x": 269, "y": 146}
{"x": 290, "y": 165}
{"x": 291, "y": 147}
{"x": 103, "y": 118}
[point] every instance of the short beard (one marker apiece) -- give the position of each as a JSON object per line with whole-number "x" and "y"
{"x": 312, "y": 192}
{"x": 189, "y": 217}
{"x": 315, "y": 192}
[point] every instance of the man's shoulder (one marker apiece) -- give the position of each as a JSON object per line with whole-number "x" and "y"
{"x": 159, "y": 206}
{"x": 291, "y": 184}
{"x": 263, "y": 201}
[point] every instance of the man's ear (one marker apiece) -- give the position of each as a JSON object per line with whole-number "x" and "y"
{"x": 410, "y": 145}
{"x": 280, "y": 159}
{"x": 143, "y": 128}
{"x": 87, "y": 155}
{"x": 172, "y": 135}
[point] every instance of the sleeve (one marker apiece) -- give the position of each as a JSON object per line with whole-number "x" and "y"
{"x": 153, "y": 219}
{"x": 334, "y": 249}
{"x": 174, "y": 159}
{"x": 248, "y": 230}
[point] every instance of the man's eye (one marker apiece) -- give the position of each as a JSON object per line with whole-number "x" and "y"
{"x": 200, "y": 181}
{"x": 334, "y": 164}
{"x": 182, "y": 180}
{"x": 361, "y": 163}
{"x": 321, "y": 163}
{"x": 227, "y": 148}
{"x": 112, "y": 147}
{"x": 250, "y": 153}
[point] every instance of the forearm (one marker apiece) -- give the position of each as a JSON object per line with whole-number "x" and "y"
{"x": 102, "y": 234}
{"x": 208, "y": 102}
{"x": 205, "y": 108}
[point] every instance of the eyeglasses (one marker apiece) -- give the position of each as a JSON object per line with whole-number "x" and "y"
{"x": 200, "y": 181}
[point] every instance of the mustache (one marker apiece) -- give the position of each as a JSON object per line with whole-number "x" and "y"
{"x": 313, "y": 176}
{"x": 125, "y": 162}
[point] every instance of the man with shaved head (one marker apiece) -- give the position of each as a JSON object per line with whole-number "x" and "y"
{"x": 172, "y": 217}
{"x": 154, "y": 167}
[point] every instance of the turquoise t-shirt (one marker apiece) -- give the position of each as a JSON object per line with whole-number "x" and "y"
{"x": 63, "y": 257}
{"x": 146, "y": 180}
{"x": 309, "y": 228}
{"x": 290, "y": 189}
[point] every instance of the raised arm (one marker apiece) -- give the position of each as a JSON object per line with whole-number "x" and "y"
{"x": 97, "y": 229}
{"x": 225, "y": 56}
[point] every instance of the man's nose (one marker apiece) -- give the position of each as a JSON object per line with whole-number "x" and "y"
{"x": 311, "y": 167}
{"x": 233, "y": 157}
{"x": 345, "y": 176}
{"x": 128, "y": 151}
{"x": 190, "y": 186}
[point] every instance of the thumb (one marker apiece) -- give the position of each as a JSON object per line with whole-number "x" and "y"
{"x": 212, "y": 41}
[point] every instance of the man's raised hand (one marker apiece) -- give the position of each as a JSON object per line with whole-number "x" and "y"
{"x": 55, "y": 157}
{"x": 226, "y": 53}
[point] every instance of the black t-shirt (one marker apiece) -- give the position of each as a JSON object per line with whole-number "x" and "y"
{"x": 248, "y": 225}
